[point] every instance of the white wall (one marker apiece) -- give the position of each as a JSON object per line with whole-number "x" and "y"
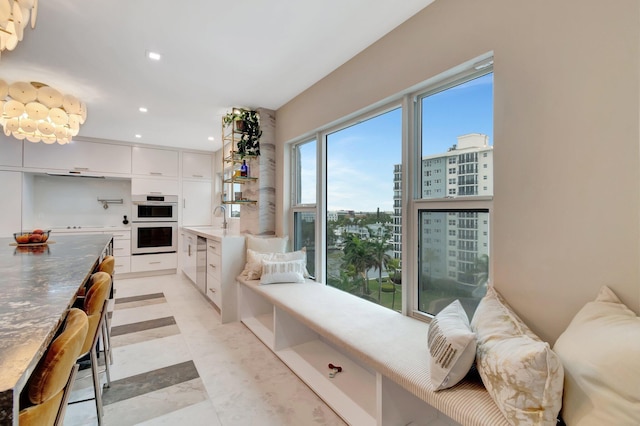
{"x": 58, "y": 202}
{"x": 566, "y": 137}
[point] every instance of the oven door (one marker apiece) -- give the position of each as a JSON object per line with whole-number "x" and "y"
{"x": 154, "y": 237}
{"x": 155, "y": 212}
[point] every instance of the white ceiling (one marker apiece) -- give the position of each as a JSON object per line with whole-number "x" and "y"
{"x": 215, "y": 55}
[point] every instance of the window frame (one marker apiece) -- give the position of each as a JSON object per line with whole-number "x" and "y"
{"x": 411, "y": 202}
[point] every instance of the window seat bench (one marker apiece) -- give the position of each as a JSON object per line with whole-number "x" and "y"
{"x": 384, "y": 356}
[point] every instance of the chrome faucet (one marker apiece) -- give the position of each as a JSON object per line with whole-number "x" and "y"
{"x": 224, "y": 214}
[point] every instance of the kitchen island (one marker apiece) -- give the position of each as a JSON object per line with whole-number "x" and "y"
{"x": 37, "y": 285}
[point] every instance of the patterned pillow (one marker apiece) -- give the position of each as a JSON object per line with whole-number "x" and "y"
{"x": 289, "y": 271}
{"x": 452, "y": 346}
{"x": 521, "y": 372}
{"x": 253, "y": 267}
{"x": 600, "y": 351}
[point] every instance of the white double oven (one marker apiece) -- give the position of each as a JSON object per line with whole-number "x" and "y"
{"x": 154, "y": 224}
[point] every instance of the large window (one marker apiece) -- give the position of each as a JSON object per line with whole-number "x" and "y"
{"x": 304, "y": 197}
{"x": 456, "y": 123}
{"x": 360, "y": 208}
{"x": 352, "y": 191}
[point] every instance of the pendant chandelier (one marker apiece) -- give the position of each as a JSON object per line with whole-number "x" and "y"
{"x": 37, "y": 112}
{"x": 15, "y": 15}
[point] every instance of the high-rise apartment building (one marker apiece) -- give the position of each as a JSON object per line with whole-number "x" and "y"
{"x": 452, "y": 241}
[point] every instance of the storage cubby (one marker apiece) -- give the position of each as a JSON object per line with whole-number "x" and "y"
{"x": 257, "y": 314}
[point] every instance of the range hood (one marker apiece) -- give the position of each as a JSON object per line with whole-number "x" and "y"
{"x": 76, "y": 174}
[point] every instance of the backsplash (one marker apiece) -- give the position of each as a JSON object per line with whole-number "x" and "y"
{"x": 59, "y": 202}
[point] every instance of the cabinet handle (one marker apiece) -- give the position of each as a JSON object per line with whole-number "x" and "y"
{"x": 184, "y": 203}
{"x": 213, "y": 247}
{"x": 198, "y": 176}
{"x": 212, "y": 265}
{"x": 189, "y": 250}
{"x": 155, "y": 173}
{"x": 118, "y": 248}
{"x": 155, "y": 192}
{"x": 154, "y": 263}
{"x": 81, "y": 168}
{"x": 212, "y": 290}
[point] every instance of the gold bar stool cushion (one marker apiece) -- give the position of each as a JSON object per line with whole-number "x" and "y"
{"x": 51, "y": 380}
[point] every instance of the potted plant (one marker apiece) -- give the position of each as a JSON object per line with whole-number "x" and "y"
{"x": 247, "y": 124}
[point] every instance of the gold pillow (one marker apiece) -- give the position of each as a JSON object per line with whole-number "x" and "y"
{"x": 521, "y": 372}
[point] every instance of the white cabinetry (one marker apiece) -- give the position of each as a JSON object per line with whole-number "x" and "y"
{"x": 153, "y": 262}
{"x": 196, "y": 203}
{"x": 154, "y": 162}
{"x": 189, "y": 255}
{"x": 225, "y": 261}
{"x": 196, "y": 165}
{"x": 122, "y": 251}
{"x": 154, "y": 186}
{"x": 11, "y": 152}
{"x": 11, "y": 194}
{"x": 79, "y": 157}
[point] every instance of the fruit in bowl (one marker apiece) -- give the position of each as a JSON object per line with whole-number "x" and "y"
{"x": 37, "y": 236}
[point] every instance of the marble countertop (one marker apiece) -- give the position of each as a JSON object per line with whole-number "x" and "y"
{"x": 37, "y": 285}
{"x": 212, "y": 232}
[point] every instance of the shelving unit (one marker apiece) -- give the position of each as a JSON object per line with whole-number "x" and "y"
{"x": 231, "y": 162}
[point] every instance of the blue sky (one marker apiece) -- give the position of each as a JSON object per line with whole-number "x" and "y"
{"x": 360, "y": 158}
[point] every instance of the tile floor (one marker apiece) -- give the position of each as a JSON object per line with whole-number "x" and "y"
{"x": 174, "y": 363}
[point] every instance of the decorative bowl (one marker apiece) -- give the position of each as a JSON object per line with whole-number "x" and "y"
{"x": 37, "y": 236}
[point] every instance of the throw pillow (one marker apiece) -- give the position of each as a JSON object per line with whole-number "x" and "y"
{"x": 289, "y": 271}
{"x": 520, "y": 371}
{"x": 267, "y": 244}
{"x": 452, "y": 346}
{"x": 600, "y": 350}
{"x": 253, "y": 267}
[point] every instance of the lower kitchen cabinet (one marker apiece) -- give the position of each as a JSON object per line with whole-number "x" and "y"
{"x": 189, "y": 255}
{"x": 154, "y": 262}
{"x": 225, "y": 261}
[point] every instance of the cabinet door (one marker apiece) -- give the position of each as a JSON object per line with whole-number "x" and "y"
{"x": 154, "y": 162}
{"x": 189, "y": 253}
{"x": 11, "y": 212}
{"x": 154, "y": 186}
{"x": 11, "y": 151}
{"x": 196, "y": 165}
{"x": 79, "y": 156}
{"x": 196, "y": 203}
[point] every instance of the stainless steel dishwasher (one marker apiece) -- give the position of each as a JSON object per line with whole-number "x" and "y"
{"x": 201, "y": 265}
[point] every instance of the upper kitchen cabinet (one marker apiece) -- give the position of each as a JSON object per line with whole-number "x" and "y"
{"x": 11, "y": 152}
{"x": 11, "y": 212}
{"x": 155, "y": 162}
{"x": 196, "y": 166}
{"x": 154, "y": 186}
{"x": 79, "y": 157}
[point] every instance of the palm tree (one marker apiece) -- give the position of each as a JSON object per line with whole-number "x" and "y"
{"x": 481, "y": 275}
{"x": 393, "y": 266}
{"x": 380, "y": 258}
{"x": 357, "y": 254}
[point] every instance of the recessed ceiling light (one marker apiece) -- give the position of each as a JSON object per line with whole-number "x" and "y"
{"x": 138, "y": 136}
{"x": 210, "y": 138}
{"x": 154, "y": 56}
{"x": 142, "y": 109}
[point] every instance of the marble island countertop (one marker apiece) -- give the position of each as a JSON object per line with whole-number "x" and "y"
{"x": 37, "y": 285}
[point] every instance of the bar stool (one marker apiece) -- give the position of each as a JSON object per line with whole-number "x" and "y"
{"x": 108, "y": 265}
{"x": 46, "y": 393}
{"x": 95, "y": 306}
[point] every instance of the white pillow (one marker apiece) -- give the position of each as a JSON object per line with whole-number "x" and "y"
{"x": 253, "y": 267}
{"x": 452, "y": 346}
{"x": 267, "y": 244}
{"x": 520, "y": 371}
{"x": 289, "y": 271}
{"x": 600, "y": 350}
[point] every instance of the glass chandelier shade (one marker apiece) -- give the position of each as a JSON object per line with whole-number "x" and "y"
{"x": 37, "y": 112}
{"x": 15, "y": 15}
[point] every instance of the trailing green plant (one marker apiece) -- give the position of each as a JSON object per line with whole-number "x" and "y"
{"x": 247, "y": 125}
